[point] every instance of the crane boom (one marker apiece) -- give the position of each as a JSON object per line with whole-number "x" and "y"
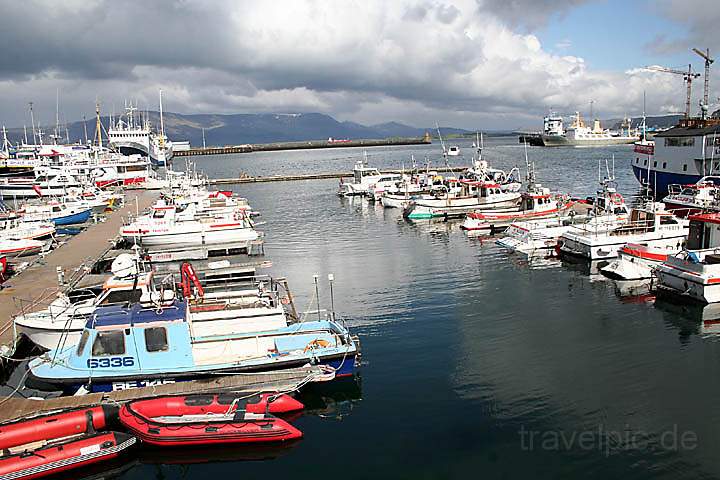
{"x": 708, "y": 61}
{"x": 687, "y": 76}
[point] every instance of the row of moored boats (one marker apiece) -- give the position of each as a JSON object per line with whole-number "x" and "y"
{"x": 672, "y": 241}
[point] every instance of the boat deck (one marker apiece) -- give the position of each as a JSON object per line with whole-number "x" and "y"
{"x": 12, "y": 408}
{"x": 38, "y": 284}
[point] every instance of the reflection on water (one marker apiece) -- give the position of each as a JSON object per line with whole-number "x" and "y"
{"x": 465, "y": 344}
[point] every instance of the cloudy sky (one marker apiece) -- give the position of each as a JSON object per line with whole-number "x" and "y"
{"x": 490, "y": 64}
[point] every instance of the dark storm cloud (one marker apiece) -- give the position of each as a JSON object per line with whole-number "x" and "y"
{"x": 530, "y": 14}
{"x": 105, "y": 39}
{"x": 442, "y": 57}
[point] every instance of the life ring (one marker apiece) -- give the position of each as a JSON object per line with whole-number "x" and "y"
{"x": 285, "y": 301}
{"x": 617, "y": 199}
{"x": 317, "y": 343}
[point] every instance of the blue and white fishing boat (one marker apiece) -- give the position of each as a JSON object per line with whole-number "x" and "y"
{"x": 127, "y": 347}
{"x": 59, "y": 213}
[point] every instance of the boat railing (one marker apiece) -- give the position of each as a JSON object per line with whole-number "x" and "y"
{"x": 597, "y": 226}
{"x": 675, "y": 189}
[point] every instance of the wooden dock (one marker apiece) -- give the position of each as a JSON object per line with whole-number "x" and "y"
{"x": 306, "y": 145}
{"x": 14, "y": 408}
{"x": 38, "y": 284}
{"x": 313, "y": 176}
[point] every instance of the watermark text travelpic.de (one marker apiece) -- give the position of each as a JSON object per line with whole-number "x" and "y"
{"x": 607, "y": 440}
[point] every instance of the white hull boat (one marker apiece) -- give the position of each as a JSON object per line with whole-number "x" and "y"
{"x": 229, "y": 307}
{"x": 20, "y": 248}
{"x": 536, "y": 203}
{"x": 652, "y": 226}
{"x": 635, "y": 262}
{"x": 166, "y": 227}
{"x": 12, "y": 227}
{"x": 462, "y": 197}
{"x": 367, "y": 179}
{"x": 694, "y": 273}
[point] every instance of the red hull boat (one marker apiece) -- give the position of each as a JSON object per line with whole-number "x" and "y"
{"x": 55, "y": 426}
{"x": 3, "y": 268}
{"x": 60, "y": 457}
{"x": 209, "y": 419}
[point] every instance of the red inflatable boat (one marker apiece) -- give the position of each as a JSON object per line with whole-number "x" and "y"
{"x": 210, "y": 419}
{"x": 60, "y": 457}
{"x": 58, "y": 442}
{"x": 55, "y": 426}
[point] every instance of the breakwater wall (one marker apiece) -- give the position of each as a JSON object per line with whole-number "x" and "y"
{"x": 305, "y": 145}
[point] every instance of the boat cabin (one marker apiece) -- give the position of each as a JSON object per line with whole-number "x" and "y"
{"x": 538, "y": 202}
{"x": 361, "y": 170}
{"x": 470, "y": 188}
{"x": 707, "y": 184}
{"x": 609, "y": 202}
{"x": 120, "y": 339}
{"x": 644, "y": 220}
{"x": 704, "y": 232}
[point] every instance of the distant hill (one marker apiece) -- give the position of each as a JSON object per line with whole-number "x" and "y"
{"x": 237, "y": 129}
{"x": 660, "y": 121}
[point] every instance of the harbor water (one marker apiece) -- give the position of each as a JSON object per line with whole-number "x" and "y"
{"x": 476, "y": 363}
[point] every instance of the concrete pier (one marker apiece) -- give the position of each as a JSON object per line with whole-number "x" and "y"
{"x": 38, "y": 284}
{"x": 315, "y": 176}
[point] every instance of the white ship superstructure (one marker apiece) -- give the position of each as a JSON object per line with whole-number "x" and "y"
{"x": 133, "y": 135}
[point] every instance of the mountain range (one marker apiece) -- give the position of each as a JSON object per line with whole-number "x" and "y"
{"x": 238, "y": 129}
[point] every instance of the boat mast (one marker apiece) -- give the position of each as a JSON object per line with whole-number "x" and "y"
{"x": 162, "y": 124}
{"x": 530, "y": 166}
{"x": 84, "y": 129}
{"x": 56, "y": 134}
{"x": 442, "y": 143}
{"x": 98, "y": 126}
{"x": 32, "y": 122}
{"x": 6, "y": 144}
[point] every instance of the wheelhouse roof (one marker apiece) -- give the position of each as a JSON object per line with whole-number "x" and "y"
{"x": 706, "y": 218}
{"x": 117, "y": 316}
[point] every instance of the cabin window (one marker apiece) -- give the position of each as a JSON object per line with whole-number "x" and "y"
{"x": 637, "y": 161}
{"x": 156, "y": 339}
{"x": 684, "y": 167}
{"x": 122, "y": 296}
{"x": 664, "y": 165}
{"x": 83, "y": 342}
{"x": 645, "y": 162}
{"x": 654, "y": 164}
{"x": 667, "y": 220}
{"x": 159, "y": 214}
{"x": 679, "y": 141}
{"x": 109, "y": 343}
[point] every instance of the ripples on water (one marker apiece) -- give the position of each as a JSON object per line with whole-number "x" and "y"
{"x": 464, "y": 345}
